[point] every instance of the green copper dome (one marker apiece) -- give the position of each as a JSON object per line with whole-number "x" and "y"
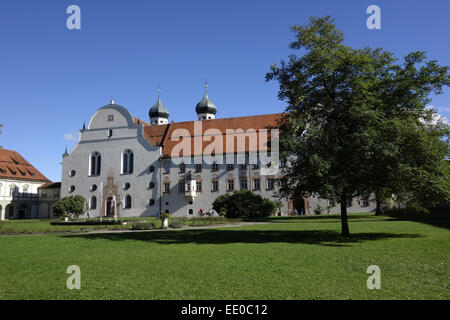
{"x": 159, "y": 110}
{"x": 206, "y": 106}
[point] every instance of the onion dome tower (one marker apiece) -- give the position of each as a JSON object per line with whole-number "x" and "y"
{"x": 159, "y": 114}
{"x": 206, "y": 109}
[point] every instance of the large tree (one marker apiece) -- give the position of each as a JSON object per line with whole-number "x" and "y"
{"x": 409, "y": 158}
{"x": 339, "y": 115}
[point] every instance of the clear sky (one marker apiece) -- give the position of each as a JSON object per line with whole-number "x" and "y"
{"x": 52, "y": 79}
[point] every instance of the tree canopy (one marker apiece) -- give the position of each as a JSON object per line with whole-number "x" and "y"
{"x": 357, "y": 121}
{"x": 71, "y": 206}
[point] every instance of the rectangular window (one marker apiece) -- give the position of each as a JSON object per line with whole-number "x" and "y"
{"x": 182, "y": 168}
{"x": 332, "y": 203}
{"x": 256, "y": 184}
{"x": 215, "y": 185}
{"x": 181, "y": 187}
{"x": 198, "y": 186}
{"x": 365, "y": 202}
{"x": 166, "y": 187}
{"x": 243, "y": 183}
{"x": 349, "y": 203}
{"x": 230, "y": 185}
{"x": 270, "y": 183}
{"x": 230, "y": 167}
{"x": 198, "y": 168}
{"x": 282, "y": 163}
{"x": 215, "y": 167}
{"x": 166, "y": 168}
{"x": 242, "y": 167}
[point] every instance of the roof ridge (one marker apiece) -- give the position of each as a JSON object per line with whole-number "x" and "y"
{"x": 218, "y": 119}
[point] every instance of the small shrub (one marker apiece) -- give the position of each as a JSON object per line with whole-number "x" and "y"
{"x": 244, "y": 204}
{"x": 318, "y": 210}
{"x": 176, "y": 224}
{"x": 143, "y": 226}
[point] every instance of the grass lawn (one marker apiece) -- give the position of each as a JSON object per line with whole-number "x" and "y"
{"x": 44, "y": 226}
{"x": 288, "y": 258}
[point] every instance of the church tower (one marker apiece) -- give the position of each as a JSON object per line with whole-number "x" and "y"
{"x": 159, "y": 114}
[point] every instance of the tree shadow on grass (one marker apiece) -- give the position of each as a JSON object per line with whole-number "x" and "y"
{"x": 214, "y": 236}
{"x": 313, "y": 218}
{"x": 437, "y": 217}
{"x": 441, "y": 220}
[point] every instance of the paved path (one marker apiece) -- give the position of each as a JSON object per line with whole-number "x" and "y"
{"x": 213, "y": 226}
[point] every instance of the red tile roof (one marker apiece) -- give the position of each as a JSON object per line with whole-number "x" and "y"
{"x": 14, "y": 166}
{"x": 50, "y": 185}
{"x": 161, "y": 134}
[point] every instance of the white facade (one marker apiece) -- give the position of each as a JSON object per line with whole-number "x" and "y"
{"x": 111, "y": 133}
{"x": 98, "y": 168}
{"x": 19, "y": 199}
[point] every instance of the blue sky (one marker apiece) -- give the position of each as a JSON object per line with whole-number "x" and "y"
{"x": 52, "y": 79}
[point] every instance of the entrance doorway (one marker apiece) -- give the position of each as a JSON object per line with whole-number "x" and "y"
{"x": 9, "y": 212}
{"x": 24, "y": 212}
{"x": 109, "y": 208}
{"x": 299, "y": 205}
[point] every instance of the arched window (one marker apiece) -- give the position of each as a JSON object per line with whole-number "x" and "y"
{"x": 127, "y": 162}
{"x": 95, "y": 164}
{"x": 128, "y": 202}
{"x": 93, "y": 203}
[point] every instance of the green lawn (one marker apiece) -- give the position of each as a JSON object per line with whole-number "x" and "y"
{"x": 44, "y": 226}
{"x": 288, "y": 258}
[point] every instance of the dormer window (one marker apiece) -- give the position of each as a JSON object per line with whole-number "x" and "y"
{"x": 110, "y": 117}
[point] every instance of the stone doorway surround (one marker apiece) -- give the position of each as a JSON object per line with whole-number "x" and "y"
{"x": 110, "y": 190}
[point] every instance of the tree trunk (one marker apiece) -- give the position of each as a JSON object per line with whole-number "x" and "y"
{"x": 345, "y": 232}
{"x": 379, "y": 210}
